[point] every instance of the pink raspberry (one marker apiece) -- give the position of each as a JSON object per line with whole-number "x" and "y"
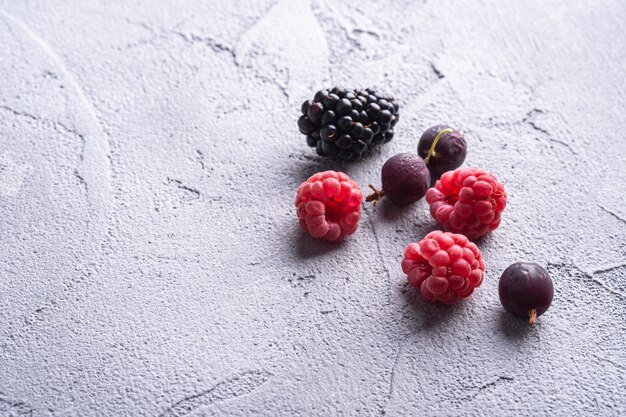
{"x": 467, "y": 201}
{"x": 329, "y": 205}
{"x": 444, "y": 266}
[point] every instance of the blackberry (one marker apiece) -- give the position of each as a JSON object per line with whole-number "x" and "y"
{"x": 343, "y": 124}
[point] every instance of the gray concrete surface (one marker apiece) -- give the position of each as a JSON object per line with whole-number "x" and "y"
{"x": 151, "y": 262}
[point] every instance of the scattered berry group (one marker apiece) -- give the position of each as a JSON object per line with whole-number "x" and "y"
{"x": 526, "y": 290}
{"x": 444, "y": 266}
{"x": 405, "y": 179}
{"x": 467, "y": 201}
{"x": 329, "y": 205}
{"x": 344, "y": 124}
{"x": 442, "y": 148}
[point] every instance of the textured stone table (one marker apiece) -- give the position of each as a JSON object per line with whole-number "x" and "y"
{"x": 151, "y": 263}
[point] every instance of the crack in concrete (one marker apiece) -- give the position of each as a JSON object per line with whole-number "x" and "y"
{"x": 179, "y": 184}
{"x": 367, "y": 32}
{"x": 235, "y": 109}
{"x": 618, "y": 366}
{"x": 81, "y": 180}
{"x": 58, "y": 127}
{"x": 262, "y": 16}
{"x": 392, "y": 379}
{"x": 200, "y": 158}
{"x": 609, "y": 289}
{"x": 437, "y": 72}
{"x": 380, "y": 255}
{"x": 483, "y": 387}
{"x": 591, "y": 276}
{"x": 282, "y": 88}
{"x": 220, "y": 47}
{"x": 612, "y": 214}
{"x": 567, "y": 145}
{"x": 300, "y": 281}
{"x": 530, "y": 119}
{"x": 141, "y": 25}
{"x": 236, "y": 386}
{"x": 84, "y": 272}
{"x": 95, "y": 164}
{"x": 14, "y": 408}
{"x": 345, "y": 25}
{"x": 54, "y": 124}
{"x": 154, "y": 33}
{"x": 315, "y": 9}
{"x": 608, "y": 268}
{"x": 20, "y": 113}
{"x": 212, "y": 43}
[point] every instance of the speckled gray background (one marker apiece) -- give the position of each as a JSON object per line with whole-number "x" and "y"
{"x": 151, "y": 262}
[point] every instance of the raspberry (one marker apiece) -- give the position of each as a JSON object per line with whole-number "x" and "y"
{"x": 467, "y": 201}
{"x": 444, "y": 266}
{"x": 329, "y": 205}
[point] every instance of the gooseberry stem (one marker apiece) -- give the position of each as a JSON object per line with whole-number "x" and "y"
{"x": 431, "y": 151}
{"x": 376, "y": 196}
{"x": 532, "y": 317}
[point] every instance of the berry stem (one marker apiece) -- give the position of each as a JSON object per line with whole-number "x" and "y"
{"x": 376, "y": 196}
{"x": 532, "y": 317}
{"x": 431, "y": 151}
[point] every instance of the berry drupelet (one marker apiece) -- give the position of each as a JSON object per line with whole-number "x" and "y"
{"x": 343, "y": 124}
{"x": 329, "y": 205}
{"x": 444, "y": 267}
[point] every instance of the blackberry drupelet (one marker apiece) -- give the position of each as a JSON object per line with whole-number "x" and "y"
{"x": 344, "y": 124}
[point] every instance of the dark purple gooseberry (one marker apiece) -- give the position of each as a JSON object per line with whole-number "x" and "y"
{"x": 405, "y": 179}
{"x": 526, "y": 290}
{"x": 442, "y": 148}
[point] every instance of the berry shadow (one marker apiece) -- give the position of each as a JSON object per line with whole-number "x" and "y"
{"x": 388, "y": 212}
{"x": 304, "y": 165}
{"x": 483, "y": 241}
{"x": 515, "y": 328}
{"x": 304, "y": 246}
{"x": 430, "y": 315}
